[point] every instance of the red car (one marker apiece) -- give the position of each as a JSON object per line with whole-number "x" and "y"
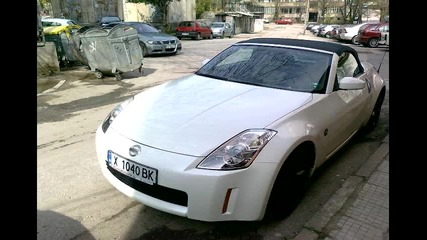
{"x": 371, "y": 34}
{"x": 283, "y": 21}
{"x": 194, "y": 30}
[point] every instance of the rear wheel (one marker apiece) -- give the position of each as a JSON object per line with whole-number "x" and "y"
{"x": 290, "y": 185}
{"x": 199, "y": 36}
{"x": 373, "y": 42}
{"x": 375, "y": 115}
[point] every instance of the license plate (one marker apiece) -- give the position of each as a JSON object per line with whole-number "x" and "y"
{"x": 132, "y": 169}
{"x": 170, "y": 46}
{"x": 185, "y": 34}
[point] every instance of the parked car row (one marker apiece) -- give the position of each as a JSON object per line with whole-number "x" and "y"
{"x": 152, "y": 40}
{"x": 199, "y": 30}
{"x": 367, "y": 34}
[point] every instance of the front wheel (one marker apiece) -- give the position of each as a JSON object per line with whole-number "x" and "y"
{"x": 290, "y": 185}
{"x": 98, "y": 74}
{"x": 144, "y": 50}
{"x": 211, "y": 36}
{"x": 118, "y": 76}
{"x": 354, "y": 40}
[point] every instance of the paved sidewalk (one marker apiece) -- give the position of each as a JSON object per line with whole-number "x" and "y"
{"x": 359, "y": 210}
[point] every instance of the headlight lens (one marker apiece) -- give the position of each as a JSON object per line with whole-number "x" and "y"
{"x": 154, "y": 42}
{"x": 113, "y": 114}
{"x": 238, "y": 152}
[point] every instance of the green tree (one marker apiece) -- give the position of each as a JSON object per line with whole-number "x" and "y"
{"x": 162, "y": 6}
{"x": 203, "y": 6}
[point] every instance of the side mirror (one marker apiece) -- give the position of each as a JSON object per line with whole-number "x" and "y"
{"x": 351, "y": 83}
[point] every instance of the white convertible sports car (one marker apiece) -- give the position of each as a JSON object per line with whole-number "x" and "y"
{"x": 239, "y": 138}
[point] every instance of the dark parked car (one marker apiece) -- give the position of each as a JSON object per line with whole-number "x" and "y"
{"x": 194, "y": 30}
{"x": 151, "y": 40}
{"x": 372, "y": 34}
{"x": 108, "y": 19}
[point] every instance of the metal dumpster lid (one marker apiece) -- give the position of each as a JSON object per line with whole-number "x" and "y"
{"x": 94, "y": 32}
{"x": 122, "y": 30}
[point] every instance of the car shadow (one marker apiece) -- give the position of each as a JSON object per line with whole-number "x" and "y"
{"x": 53, "y": 225}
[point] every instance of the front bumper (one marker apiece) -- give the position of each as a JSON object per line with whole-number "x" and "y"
{"x": 184, "y": 190}
{"x": 154, "y": 49}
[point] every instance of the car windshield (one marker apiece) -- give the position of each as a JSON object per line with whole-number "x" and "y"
{"x": 144, "y": 28}
{"x": 186, "y": 24}
{"x": 274, "y": 67}
{"x": 217, "y": 25}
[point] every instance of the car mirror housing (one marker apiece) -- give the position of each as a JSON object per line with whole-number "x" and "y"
{"x": 351, "y": 83}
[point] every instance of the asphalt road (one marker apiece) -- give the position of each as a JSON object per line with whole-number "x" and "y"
{"x": 74, "y": 200}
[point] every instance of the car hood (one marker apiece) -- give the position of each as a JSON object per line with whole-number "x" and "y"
{"x": 156, "y": 36}
{"x": 193, "y": 115}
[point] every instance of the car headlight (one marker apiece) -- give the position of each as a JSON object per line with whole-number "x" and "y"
{"x": 238, "y": 152}
{"x": 113, "y": 114}
{"x": 154, "y": 42}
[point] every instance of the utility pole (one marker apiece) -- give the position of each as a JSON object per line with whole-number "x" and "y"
{"x": 306, "y": 16}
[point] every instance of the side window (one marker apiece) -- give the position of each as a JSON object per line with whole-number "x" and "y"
{"x": 347, "y": 66}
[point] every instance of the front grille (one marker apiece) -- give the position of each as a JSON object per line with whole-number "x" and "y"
{"x": 156, "y": 191}
{"x": 169, "y": 42}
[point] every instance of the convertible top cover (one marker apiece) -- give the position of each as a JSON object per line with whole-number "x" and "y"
{"x": 326, "y": 46}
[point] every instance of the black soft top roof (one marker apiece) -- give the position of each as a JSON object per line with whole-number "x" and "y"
{"x": 326, "y": 46}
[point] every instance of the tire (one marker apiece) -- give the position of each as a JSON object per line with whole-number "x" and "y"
{"x": 373, "y": 42}
{"x": 290, "y": 185}
{"x": 375, "y": 115}
{"x": 199, "y": 36}
{"x": 211, "y": 36}
{"x": 354, "y": 40}
{"x": 144, "y": 50}
{"x": 222, "y": 35}
{"x": 231, "y": 35}
{"x": 98, "y": 74}
{"x": 118, "y": 76}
